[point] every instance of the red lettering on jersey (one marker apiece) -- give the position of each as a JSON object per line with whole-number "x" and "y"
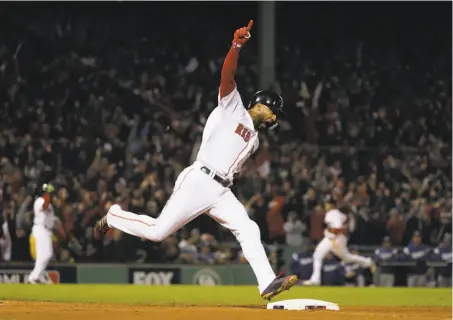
{"x": 239, "y": 129}
{"x": 243, "y": 132}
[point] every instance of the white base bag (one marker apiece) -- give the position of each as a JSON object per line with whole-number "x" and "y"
{"x": 303, "y": 305}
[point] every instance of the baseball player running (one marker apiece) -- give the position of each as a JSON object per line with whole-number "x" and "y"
{"x": 335, "y": 241}
{"x": 43, "y": 223}
{"x": 229, "y": 138}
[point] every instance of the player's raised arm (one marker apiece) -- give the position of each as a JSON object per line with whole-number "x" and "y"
{"x": 227, "y": 83}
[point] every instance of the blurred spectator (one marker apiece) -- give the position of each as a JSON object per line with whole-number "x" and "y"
{"x": 443, "y": 253}
{"x": 386, "y": 276}
{"x": 205, "y": 256}
{"x": 65, "y": 256}
{"x": 188, "y": 247}
{"x": 274, "y": 259}
{"x": 418, "y": 252}
{"x": 317, "y": 224}
{"x": 16, "y": 241}
{"x": 275, "y": 220}
{"x": 333, "y": 272}
{"x": 395, "y": 227}
{"x": 302, "y": 264}
{"x": 116, "y": 250}
{"x": 272, "y": 254}
{"x": 223, "y": 255}
{"x": 257, "y": 209}
{"x": 170, "y": 251}
{"x": 294, "y": 229}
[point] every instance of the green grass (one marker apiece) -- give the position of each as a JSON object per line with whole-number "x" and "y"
{"x": 223, "y": 295}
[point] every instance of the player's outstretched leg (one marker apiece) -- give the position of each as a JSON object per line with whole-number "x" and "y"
{"x": 102, "y": 226}
{"x": 142, "y": 226}
{"x": 184, "y": 205}
{"x": 231, "y": 214}
{"x": 340, "y": 249}
{"x": 362, "y": 261}
{"x": 249, "y": 238}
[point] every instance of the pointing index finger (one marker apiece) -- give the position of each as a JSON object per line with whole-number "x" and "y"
{"x": 249, "y": 25}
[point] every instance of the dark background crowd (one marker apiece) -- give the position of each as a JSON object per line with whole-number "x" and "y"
{"x": 109, "y": 101}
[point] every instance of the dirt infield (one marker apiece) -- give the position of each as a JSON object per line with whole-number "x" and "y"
{"x": 13, "y": 310}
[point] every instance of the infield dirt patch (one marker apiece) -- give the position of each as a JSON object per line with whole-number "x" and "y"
{"x": 15, "y": 310}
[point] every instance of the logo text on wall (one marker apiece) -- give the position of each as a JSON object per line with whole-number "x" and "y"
{"x": 141, "y": 277}
{"x": 151, "y": 276}
{"x": 21, "y": 276}
{"x": 206, "y": 277}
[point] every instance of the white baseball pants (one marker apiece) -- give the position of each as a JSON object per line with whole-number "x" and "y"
{"x": 44, "y": 252}
{"x": 338, "y": 246}
{"x": 196, "y": 193}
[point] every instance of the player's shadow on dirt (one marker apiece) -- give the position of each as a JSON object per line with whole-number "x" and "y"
{"x": 248, "y": 307}
{"x": 263, "y": 307}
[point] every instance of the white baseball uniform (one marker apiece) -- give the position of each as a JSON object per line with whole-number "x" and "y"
{"x": 228, "y": 140}
{"x": 43, "y": 223}
{"x": 335, "y": 242}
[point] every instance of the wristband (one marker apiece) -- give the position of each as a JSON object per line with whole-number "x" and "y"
{"x": 237, "y": 46}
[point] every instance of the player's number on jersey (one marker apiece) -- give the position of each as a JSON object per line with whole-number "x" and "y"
{"x": 243, "y": 132}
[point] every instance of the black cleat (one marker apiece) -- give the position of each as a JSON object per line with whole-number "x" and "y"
{"x": 279, "y": 285}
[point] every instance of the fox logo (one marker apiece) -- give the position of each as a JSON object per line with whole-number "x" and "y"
{"x": 52, "y": 277}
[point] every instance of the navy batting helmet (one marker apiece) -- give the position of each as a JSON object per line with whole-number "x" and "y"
{"x": 269, "y": 99}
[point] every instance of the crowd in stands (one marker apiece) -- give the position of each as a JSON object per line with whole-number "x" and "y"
{"x": 111, "y": 110}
